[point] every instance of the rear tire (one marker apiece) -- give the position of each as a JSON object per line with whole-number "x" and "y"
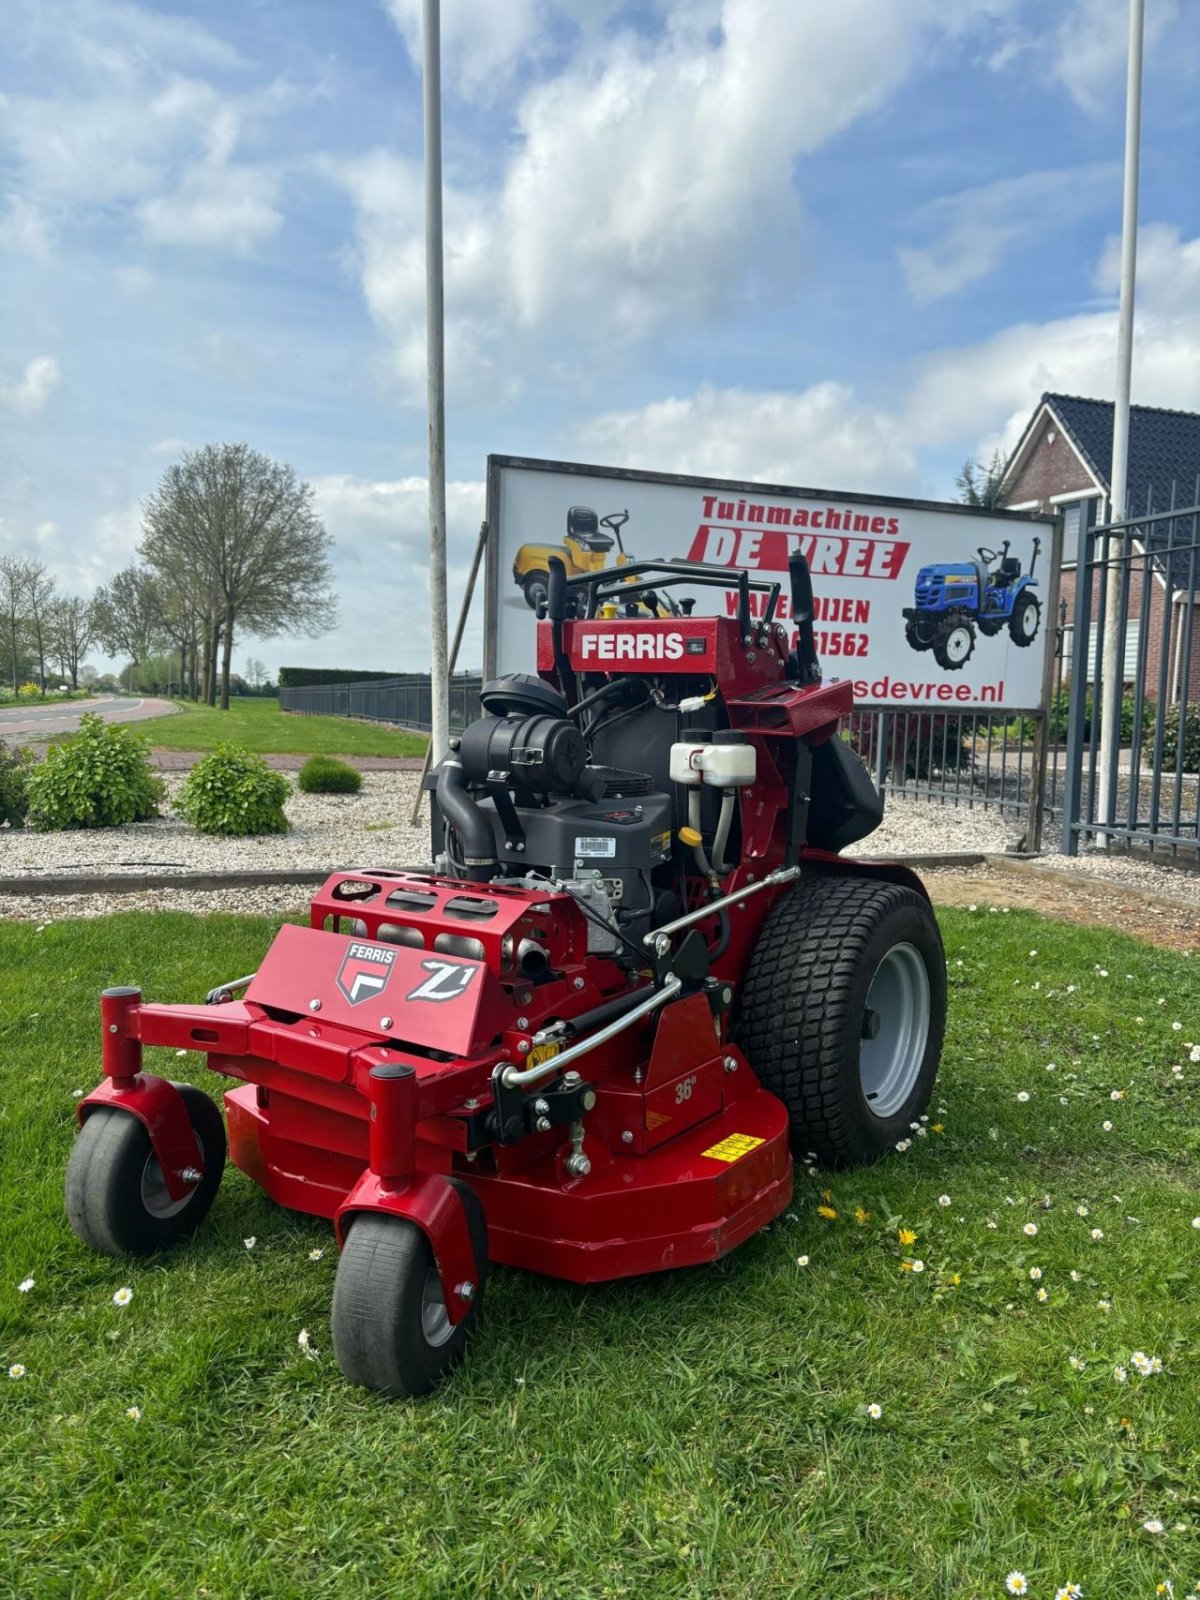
{"x": 954, "y": 642}
{"x": 1025, "y": 620}
{"x": 117, "y": 1201}
{"x": 391, "y": 1331}
{"x": 833, "y": 956}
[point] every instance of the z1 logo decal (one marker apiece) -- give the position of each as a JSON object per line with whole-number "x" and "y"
{"x": 445, "y": 982}
{"x": 364, "y": 972}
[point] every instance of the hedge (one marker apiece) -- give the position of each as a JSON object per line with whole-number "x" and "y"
{"x": 304, "y": 677}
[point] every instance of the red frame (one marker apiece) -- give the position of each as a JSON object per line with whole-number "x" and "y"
{"x": 348, "y": 1104}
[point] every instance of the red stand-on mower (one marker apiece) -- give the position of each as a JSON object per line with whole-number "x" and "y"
{"x": 587, "y": 1042}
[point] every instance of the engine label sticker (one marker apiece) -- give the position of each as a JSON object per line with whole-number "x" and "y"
{"x": 446, "y": 981}
{"x": 586, "y": 848}
{"x": 364, "y": 972}
{"x": 733, "y": 1147}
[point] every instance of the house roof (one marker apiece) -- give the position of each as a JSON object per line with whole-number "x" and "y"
{"x": 1164, "y": 448}
{"x": 1164, "y": 456}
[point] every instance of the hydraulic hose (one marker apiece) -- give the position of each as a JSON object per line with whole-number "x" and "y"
{"x": 464, "y": 816}
{"x": 702, "y": 860}
{"x": 721, "y": 837}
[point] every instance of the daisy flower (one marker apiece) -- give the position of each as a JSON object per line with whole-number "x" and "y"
{"x": 1103, "y": 1305}
{"x": 25, "y": 1285}
{"x": 874, "y": 1411}
{"x": 306, "y": 1344}
{"x": 1081, "y": 1211}
{"x": 134, "y": 1413}
{"x": 1076, "y": 1277}
{"x": 1120, "y": 1374}
{"x": 16, "y": 1370}
{"x": 1097, "y": 1233}
{"x": 122, "y": 1297}
{"x": 944, "y": 1200}
{"x": 251, "y": 1241}
{"x": 1107, "y": 1126}
{"x": 1117, "y": 1094}
{"x": 918, "y": 1266}
{"x": 1196, "y": 1222}
{"x": 1030, "y": 1228}
{"x": 1043, "y": 1295}
{"x": 315, "y": 1255}
{"x": 801, "y": 1261}
{"x": 1153, "y": 1525}
{"x": 1017, "y": 1583}
{"x": 1076, "y": 1364}
{"x": 1022, "y": 1095}
{"x": 1069, "y": 1591}
{"x": 1035, "y": 1273}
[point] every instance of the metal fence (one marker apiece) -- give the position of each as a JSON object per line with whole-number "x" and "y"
{"x": 405, "y": 700}
{"x": 1151, "y": 771}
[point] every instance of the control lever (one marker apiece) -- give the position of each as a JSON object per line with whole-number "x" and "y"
{"x": 808, "y": 667}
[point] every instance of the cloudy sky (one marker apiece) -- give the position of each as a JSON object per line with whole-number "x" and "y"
{"x": 834, "y": 244}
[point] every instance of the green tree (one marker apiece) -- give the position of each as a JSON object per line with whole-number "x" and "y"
{"x": 981, "y": 486}
{"x": 238, "y": 534}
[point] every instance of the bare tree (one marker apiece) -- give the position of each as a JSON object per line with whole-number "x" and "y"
{"x": 129, "y": 614}
{"x": 256, "y": 673}
{"x": 14, "y": 605}
{"x": 40, "y": 597}
{"x": 72, "y": 632}
{"x": 239, "y": 534}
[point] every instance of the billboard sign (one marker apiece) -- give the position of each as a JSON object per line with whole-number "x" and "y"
{"x": 920, "y": 603}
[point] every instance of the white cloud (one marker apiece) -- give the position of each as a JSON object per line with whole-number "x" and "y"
{"x": 30, "y": 392}
{"x": 380, "y": 530}
{"x": 975, "y": 397}
{"x": 969, "y": 233}
{"x": 645, "y": 179}
{"x": 125, "y": 129}
{"x": 1091, "y": 49}
{"x": 820, "y": 436}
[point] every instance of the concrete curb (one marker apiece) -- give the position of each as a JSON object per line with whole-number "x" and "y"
{"x": 134, "y": 882}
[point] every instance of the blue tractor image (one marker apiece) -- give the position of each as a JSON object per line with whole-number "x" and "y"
{"x": 955, "y": 598}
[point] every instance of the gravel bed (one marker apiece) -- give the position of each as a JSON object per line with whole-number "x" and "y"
{"x": 918, "y": 828}
{"x": 328, "y": 831}
{"x": 1175, "y": 881}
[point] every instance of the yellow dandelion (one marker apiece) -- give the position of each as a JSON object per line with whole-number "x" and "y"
{"x": 906, "y": 1266}
{"x": 860, "y": 1214}
{"x": 827, "y": 1212}
{"x": 907, "y": 1236}
{"x": 937, "y": 1127}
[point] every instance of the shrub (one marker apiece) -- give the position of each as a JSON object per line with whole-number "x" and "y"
{"x": 1170, "y": 749}
{"x": 98, "y": 778}
{"x": 29, "y": 691}
{"x": 233, "y": 791}
{"x": 328, "y": 775}
{"x": 15, "y": 767}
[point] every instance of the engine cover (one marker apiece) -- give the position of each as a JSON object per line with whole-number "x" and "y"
{"x": 621, "y": 839}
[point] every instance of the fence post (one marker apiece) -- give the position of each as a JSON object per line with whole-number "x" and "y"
{"x": 881, "y": 756}
{"x": 1077, "y": 699}
{"x": 1041, "y": 740}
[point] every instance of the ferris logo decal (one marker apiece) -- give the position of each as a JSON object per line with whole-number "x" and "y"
{"x": 635, "y": 646}
{"x": 364, "y": 972}
{"x": 445, "y": 982}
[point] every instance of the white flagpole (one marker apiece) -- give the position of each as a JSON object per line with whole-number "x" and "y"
{"x": 435, "y": 380}
{"x": 1113, "y": 668}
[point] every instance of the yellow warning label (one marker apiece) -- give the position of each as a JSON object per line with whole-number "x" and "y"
{"x": 543, "y": 1052}
{"x": 733, "y": 1148}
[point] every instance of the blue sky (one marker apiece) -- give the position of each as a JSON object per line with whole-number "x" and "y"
{"x": 838, "y": 245}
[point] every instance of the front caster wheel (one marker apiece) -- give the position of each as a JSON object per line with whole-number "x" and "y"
{"x": 391, "y": 1329}
{"x": 117, "y": 1198}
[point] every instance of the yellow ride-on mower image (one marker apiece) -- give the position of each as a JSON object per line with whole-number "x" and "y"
{"x": 585, "y": 549}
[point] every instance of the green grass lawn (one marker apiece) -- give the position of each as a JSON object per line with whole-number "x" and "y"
{"x": 699, "y": 1434}
{"x": 259, "y": 724}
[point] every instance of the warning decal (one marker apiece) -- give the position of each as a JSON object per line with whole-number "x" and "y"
{"x": 733, "y": 1148}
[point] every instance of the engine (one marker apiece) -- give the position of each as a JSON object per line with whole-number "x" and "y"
{"x": 521, "y": 799}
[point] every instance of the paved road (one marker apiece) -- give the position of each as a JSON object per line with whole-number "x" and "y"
{"x": 33, "y": 724}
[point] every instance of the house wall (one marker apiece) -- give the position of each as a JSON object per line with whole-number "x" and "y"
{"x": 1158, "y": 636}
{"x": 1051, "y": 467}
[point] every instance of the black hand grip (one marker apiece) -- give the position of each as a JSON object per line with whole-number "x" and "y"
{"x": 556, "y": 591}
{"x": 802, "y": 616}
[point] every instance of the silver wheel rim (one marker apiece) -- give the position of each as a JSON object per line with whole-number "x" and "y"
{"x": 958, "y": 644}
{"x": 1028, "y": 621}
{"x": 156, "y": 1197}
{"x": 890, "y": 1063}
{"x": 435, "y": 1319}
